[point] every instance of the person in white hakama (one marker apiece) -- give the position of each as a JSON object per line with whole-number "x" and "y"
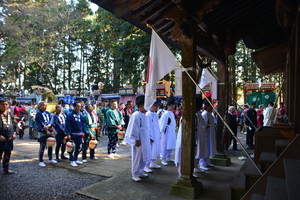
{"x": 201, "y": 148}
{"x": 178, "y": 147}
{"x": 167, "y": 126}
{"x": 201, "y": 138}
{"x": 154, "y": 137}
{"x": 268, "y": 119}
{"x": 137, "y": 136}
{"x": 210, "y": 137}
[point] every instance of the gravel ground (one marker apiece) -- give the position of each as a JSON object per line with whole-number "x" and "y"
{"x": 33, "y": 182}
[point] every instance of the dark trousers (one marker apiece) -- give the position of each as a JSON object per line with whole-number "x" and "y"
{"x": 75, "y": 152}
{"x": 234, "y": 146}
{"x": 32, "y": 133}
{"x": 5, "y": 155}
{"x": 249, "y": 138}
{"x": 104, "y": 129}
{"x": 112, "y": 142}
{"x": 21, "y": 133}
{"x": 85, "y": 147}
{"x": 60, "y": 143}
{"x": 42, "y": 149}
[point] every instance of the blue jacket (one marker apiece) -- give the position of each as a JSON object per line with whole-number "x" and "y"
{"x": 42, "y": 119}
{"x": 74, "y": 123}
{"x": 58, "y": 124}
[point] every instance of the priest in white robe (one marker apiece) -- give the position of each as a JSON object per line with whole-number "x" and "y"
{"x": 178, "y": 147}
{"x": 167, "y": 126}
{"x": 201, "y": 138}
{"x": 137, "y": 135}
{"x": 154, "y": 137}
{"x": 268, "y": 119}
{"x": 210, "y": 137}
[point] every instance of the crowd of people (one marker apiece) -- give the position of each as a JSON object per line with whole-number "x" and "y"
{"x": 151, "y": 134}
{"x": 249, "y": 119}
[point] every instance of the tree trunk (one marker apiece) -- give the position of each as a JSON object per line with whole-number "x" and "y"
{"x": 64, "y": 67}
{"x": 80, "y": 71}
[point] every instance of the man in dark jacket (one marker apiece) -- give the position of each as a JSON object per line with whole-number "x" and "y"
{"x": 45, "y": 130}
{"x": 8, "y": 129}
{"x": 251, "y": 123}
{"x": 58, "y": 121}
{"x": 74, "y": 128}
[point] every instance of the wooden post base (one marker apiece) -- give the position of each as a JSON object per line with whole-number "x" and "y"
{"x": 186, "y": 187}
{"x": 220, "y": 160}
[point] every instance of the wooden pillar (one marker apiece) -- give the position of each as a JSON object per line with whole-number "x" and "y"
{"x": 220, "y": 157}
{"x": 188, "y": 116}
{"x": 186, "y": 185}
{"x": 222, "y": 103}
{"x": 290, "y": 86}
{"x": 295, "y": 104}
{"x": 293, "y": 74}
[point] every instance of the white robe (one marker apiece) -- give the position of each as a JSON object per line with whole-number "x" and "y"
{"x": 154, "y": 133}
{"x": 178, "y": 144}
{"x": 210, "y": 132}
{"x": 167, "y": 132}
{"x": 267, "y": 116}
{"x": 201, "y": 140}
{"x": 138, "y": 130}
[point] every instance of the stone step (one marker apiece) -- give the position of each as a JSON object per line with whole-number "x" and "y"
{"x": 257, "y": 197}
{"x": 246, "y": 177}
{"x": 282, "y": 143}
{"x": 238, "y": 184}
{"x": 292, "y": 176}
{"x": 276, "y": 189}
{"x": 268, "y": 156}
{"x": 251, "y": 174}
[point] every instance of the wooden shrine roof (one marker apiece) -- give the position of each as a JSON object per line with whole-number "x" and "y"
{"x": 219, "y": 22}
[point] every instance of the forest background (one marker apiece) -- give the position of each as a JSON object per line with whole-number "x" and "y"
{"x": 66, "y": 45}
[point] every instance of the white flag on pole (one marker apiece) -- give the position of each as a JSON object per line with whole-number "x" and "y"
{"x": 161, "y": 62}
{"x": 207, "y": 78}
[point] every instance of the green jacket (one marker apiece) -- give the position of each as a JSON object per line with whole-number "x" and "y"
{"x": 111, "y": 120}
{"x": 89, "y": 127}
{"x": 100, "y": 116}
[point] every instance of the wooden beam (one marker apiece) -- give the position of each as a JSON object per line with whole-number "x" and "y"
{"x": 136, "y": 4}
{"x": 206, "y": 47}
{"x": 157, "y": 22}
{"x": 155, "y": 11}
{"x": 138, "y": 11}
{"x": 163, "y": 25}
{"x": 168, "y": 29}
{"x": 271, "y": 59}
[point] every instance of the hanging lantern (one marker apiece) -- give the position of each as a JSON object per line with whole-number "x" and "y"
{"x": 93, "y": 143}
{"x": 69, "y": 146}
{"x": 50, "y": 142}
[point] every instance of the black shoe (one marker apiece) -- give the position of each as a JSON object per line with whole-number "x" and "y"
{"x": 64, "y": 158}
